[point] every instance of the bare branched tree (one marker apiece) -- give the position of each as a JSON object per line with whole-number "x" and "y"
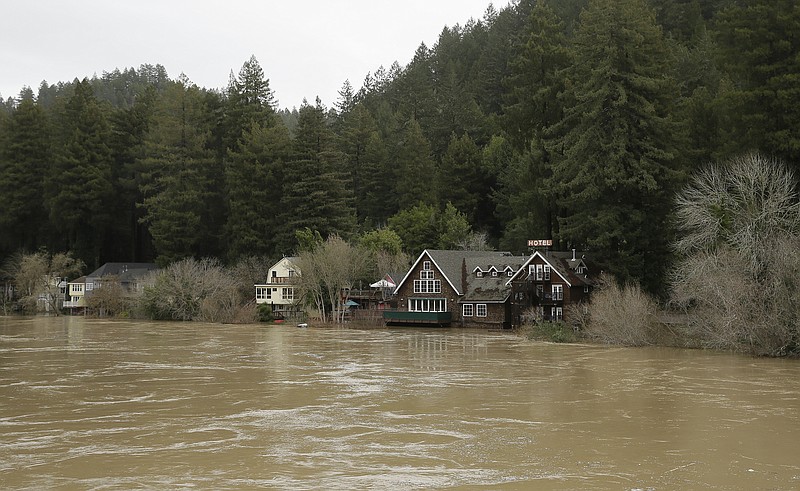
{"x": 330, "y": 271}
{"x": 738, "y": 279}
{"x": 620, "y": 314}
{"x": 37, "y": 277}
{"x": 192, "y": 290}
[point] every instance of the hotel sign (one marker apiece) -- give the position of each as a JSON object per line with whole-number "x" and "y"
{"x": 540, "y": 243}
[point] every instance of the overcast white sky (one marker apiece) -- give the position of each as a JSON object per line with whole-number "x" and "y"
{"x": 307, "y": 48}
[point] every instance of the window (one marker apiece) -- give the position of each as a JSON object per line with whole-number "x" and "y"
{"x": 89, "y": 286}
{"x": 585, "y": 288}
{"x": 539, "y": 272}
{"x": 467, "y": 310}
{"x": 540, "y": 291}
{"x": 426, "y": 274}
{"x": 287, "y": 293}
{"x": 556, "y": 313}
{"x": 558, "y": 292}
{"x": 479, "y": 274}
{"x": 581, "y": 269}
{"x": 77, "y": 287}
{"x": 427, "y": 305}
{"x": 426, "y": 265}
{"x": 427, "y": 286}
{"x": 291, "y": 273}
{"x": 480, "y": 310}
{"x": 510, "y": 273}
{"x": 547, "y": 272}
{"x": 262, "y": 293}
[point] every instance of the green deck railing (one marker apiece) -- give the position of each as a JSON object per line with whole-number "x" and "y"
{"x": 413, "y": 318}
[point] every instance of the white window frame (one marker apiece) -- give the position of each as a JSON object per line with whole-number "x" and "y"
{"x": 546, "y": 272}
{"x": 262, "y": 292}
{"x": 417, "y": 304}
{"x": 556, "y": 313}
{"x": 467, "y": 310}
{"x": 558, "y": 291}
{"x": 427, "y": 286}
{"x": 426, "y": 274}
{"x": 287, "y": 293}
{"x": 480, "y": 310}
{"x": 426, "y": 265}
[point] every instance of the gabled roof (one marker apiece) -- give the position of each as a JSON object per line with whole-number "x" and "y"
{"x": 562, "y": 263}
{"x": 76, "y": 281}
{"x": 123, "y": 270}
{"x": 488, "y": 288}
{"x": 449, "y": 262}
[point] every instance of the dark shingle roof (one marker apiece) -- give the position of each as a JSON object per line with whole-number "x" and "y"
{"x": 450, "y": 262}
{"x": 488, "y": 288}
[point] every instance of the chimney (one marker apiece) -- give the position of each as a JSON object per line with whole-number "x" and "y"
{"x": 573, "y": 254}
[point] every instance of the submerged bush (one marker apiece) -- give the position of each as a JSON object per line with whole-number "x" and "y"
{"x": 620, "y": 314}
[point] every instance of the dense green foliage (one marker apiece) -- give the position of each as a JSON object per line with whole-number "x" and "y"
{"x": 573, "y": 120}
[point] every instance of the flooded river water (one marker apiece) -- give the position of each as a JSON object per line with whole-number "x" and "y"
{"x": 92, "y": 404}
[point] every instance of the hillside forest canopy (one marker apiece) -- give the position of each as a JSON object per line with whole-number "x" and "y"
{"x": 571, "y": 120}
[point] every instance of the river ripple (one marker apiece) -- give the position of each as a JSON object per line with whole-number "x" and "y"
{"x": 92, "y": 404}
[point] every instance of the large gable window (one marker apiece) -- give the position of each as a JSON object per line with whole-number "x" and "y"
{"x": 427, "y": 286}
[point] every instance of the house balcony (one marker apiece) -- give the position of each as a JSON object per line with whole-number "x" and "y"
{"x": 407, "y": 318}
{"x": 550, "y": 298}
{"x": 281, "y": 280}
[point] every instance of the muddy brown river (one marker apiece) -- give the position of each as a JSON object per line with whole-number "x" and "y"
{"x": 100, "y": 405}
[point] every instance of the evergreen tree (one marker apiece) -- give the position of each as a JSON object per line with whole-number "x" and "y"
{"x": 178, "y": 169}
{"x": 255, "y": 179}
{"x": 24, "y": 162}
{"x": 318, "y": 193}
{"x": 249, "y": 100}
{"x": 416, "y": 171}
{"x": 129, "y": 128}
{"x": 533, "y": 110}
{"x": 78, "y": 187}
{"x": 464, "y": 182}
{"x": 760, "y": 46}
{"x": 614, "y": 164}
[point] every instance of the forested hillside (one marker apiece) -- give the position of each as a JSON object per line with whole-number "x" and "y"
{"x": 575, "y": 120}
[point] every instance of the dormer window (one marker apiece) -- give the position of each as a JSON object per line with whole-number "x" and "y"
{"x": 479, "y": 274}
{"x": 494, "y": 273}
{"x": 510, "y": 273}
{"x": 581, "y": 269}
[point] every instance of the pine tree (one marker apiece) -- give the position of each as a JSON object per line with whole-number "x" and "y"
{"x": 416, "y": 171}
{"x": 318, "y": 193}
{"x": 178, "y": 181}
{"x": 255, "y": 175}
{"x": 78, "y": 187}
{"x": 535, "y": 105}
{"x": 614, "y": 164}
{"x": 24, "y": 161}
{"x": 759, "y": 46}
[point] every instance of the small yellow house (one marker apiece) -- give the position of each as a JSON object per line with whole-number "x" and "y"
{"x": 76, "y": 291}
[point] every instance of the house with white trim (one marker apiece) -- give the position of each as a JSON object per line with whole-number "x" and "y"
{"x": 279, "y": 289}
{"x": 456, "y": 288}
{"x": 547, "y": 283}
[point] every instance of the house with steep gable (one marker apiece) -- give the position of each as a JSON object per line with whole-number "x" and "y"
{"x": 547, "y": 283}
{"x": 462, "y": 288}
{"x": 278, "y": 291}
